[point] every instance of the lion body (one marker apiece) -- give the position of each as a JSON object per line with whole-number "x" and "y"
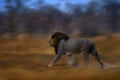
{"x": 67, "y": 46}
{"x": 78, "y": 45}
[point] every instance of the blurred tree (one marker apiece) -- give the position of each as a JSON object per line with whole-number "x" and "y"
{"x": 3, "y": 29}
{"x": 41, "y": 18}
{"x": 10, "y": 15}
{"x": 74, "y": 19}
{"x": 2, "y": 19}
{"x": 44, "y": 19}
{"x": 14, "y": 9}
{"x": 112, "y": 8}
{"x": 90, "y": 21}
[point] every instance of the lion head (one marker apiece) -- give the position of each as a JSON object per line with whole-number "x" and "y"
{"x": 56, "y": 38}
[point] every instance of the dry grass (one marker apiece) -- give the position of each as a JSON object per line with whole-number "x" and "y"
{"x": 27, "y": 59}
{"x": 25, "y": 46}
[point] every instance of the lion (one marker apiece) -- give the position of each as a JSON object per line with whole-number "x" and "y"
{"x": 64, "y": 45}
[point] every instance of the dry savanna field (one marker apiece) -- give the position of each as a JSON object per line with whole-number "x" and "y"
{"x": 26, "y": 58}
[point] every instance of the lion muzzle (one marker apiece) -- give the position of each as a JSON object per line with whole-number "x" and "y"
{"x": 52, "y": 43}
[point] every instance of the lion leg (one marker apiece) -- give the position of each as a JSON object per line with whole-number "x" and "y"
{"x": 72, "y": 61}
{"x": 95, "y": 54}
{"x": 86, "y": 57}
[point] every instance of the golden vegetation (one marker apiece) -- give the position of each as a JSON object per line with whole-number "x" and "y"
{"x": 27, "y": 59}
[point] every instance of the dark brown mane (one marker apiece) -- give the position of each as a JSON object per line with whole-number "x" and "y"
{"x": 60, "y": 35}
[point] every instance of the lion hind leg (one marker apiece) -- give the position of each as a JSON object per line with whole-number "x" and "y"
{"x": 95, "y": 54}
{"x": 86, "y": 57}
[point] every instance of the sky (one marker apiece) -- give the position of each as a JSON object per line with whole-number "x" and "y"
{"x": 53, "y": 2}
{"x": 64, "y": 1}
{"x": 1, "y": 5}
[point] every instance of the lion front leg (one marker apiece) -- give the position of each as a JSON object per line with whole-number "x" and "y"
{"x": 72, "y": 60}
{"x": 50, "y": 65}
{"x": 55, "y": 59}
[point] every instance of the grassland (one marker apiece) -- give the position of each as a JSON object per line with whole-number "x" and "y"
{"x": 27, "y": 59}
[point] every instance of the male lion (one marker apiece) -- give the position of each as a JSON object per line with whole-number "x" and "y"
{"x": 64, "y": 45}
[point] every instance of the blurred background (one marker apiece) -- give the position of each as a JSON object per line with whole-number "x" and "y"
{"x": 26, "y": 27}
{"x": 79, "y": 17}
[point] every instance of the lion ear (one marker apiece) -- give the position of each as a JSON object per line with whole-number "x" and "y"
{"x": 66, "y": 37}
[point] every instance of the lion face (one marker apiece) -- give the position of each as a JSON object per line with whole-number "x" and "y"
{"x": 53, "y": 42}
{"x": 56, "y": 38}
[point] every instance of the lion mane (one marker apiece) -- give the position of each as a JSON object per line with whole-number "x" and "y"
{"x": 56, "y": 38}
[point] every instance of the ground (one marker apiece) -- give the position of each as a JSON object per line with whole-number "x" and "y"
{"x": 27, "y": 59}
